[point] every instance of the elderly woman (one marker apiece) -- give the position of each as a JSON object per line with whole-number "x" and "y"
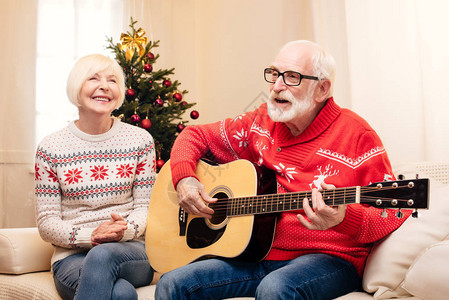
{"x": 93, "y": 185}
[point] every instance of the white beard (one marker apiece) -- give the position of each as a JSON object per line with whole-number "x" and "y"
{"x": 299, "y": 107}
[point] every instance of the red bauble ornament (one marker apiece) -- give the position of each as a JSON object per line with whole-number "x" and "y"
{"x": 177, "y": 96}
{"x": 160, "y": 163}
{"x": 159, "y": 102}
{"x": 130, "y": 93}
{"x": 146, "y": 123}
{"x": 135, "y": 118}
{"x": 180, "y": 127}
{"x": 147, "y": 68}
{"x": 150, "y": 55}
{"x": 194, "y": 114}
{"x": 167, "y": 83}
{"x": 183, "y": 103}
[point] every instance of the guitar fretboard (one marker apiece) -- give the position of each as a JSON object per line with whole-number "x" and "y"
{"x": 273, "y": 203}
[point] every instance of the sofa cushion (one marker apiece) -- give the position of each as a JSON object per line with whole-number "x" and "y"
{"x": 391, "y": 258}
{"x": 428, "y": 275}
{"x": 22, "y": 251}
{"x": 37, "y": 285}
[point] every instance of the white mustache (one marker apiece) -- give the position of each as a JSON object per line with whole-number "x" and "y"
{"x": 283, "y": 95}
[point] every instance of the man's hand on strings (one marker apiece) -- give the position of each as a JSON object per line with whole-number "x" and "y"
{"x": 321, "y": 216}
{"x": 193, "y": 197}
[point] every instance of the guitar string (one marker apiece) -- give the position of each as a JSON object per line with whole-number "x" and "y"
{"x": 253, "y": 210}
{"x": 293, "y": 201}
{"x": 338, "y": 197}
{"x": 295, "y": 195}
{"x": 336, "y": 194}
{"x": 224, "y": 206}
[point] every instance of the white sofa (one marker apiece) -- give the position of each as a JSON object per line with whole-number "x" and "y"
{"x": 411, "y": 263}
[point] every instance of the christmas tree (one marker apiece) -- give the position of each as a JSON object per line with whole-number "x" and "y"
{"x": 152, "y": 101}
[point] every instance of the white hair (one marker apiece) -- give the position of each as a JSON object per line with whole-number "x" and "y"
{"x": 324, "y": 66}
{"x": 86, "y": 67}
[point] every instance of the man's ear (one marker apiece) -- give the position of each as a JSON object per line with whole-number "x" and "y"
{"x": 322, "y": 90}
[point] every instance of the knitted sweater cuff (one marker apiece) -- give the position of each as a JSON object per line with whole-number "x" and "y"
{"x": 352, "y": 222}
{"x": 182, "y": 170}
{"x": 83, "y": 238}
{"x": 129, "y": 234}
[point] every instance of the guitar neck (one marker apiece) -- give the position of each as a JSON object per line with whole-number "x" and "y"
{"x": 274, "y": 203}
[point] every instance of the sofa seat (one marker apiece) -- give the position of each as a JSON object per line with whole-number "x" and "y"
{"x": 40, "y": 286}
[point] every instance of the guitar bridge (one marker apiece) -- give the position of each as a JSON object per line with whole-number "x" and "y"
{"x": 182, "y": 219}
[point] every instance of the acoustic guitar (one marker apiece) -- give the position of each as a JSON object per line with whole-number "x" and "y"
{"x": 244, "y": 221}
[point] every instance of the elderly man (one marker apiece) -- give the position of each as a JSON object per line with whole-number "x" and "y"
{"x": 301, "y": 134}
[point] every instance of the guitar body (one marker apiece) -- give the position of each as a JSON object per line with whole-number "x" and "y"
{"x": 173, "y": 240}
{"x": 242, "y": 226}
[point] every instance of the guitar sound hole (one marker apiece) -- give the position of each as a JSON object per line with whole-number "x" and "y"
{"x": 199, "y": 235}
{"x": 220, "y": 208}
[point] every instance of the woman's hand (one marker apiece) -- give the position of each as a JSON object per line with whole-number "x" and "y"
{"x": 109, "y": 231}
{"x": 193, "y": 198}
{"x": 320, "y": 215}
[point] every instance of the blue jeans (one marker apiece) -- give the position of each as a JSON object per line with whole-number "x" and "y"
{"x": 312, "y": 276}
{"x": 107, "y": 271}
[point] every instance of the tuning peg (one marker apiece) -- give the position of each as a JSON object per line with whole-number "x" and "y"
{"x": 399, "y": 214}
{"x": 415, "y": 214}
{"x": 384, "y": 213}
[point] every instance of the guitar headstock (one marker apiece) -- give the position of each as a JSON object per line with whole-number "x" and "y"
{"x": 401, "y": 194}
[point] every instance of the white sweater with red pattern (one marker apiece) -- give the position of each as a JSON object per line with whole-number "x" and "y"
{"x": 338, "y": 148}
{"x": 80, "y": 179}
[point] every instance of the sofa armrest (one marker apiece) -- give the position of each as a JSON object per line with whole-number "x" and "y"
{"x": 427, "y": 277}
{"x": 22, "y": 251}
{"x": 390, "y": 259}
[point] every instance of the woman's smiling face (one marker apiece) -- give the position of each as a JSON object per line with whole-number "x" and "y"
{"x": 99, "y": 94}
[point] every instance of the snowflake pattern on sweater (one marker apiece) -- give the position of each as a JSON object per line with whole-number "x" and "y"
{"x": 80, "y": 179}
{"x": 338, "y": 148}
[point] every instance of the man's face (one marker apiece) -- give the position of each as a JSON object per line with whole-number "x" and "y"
{"x": 290, "y": 104}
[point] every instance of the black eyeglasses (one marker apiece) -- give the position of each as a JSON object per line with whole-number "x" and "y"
{"x": 291, "y": 78}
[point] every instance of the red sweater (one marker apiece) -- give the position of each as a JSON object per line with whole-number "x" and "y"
{"x": 339, "y": 147}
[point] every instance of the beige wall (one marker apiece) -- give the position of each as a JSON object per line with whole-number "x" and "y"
{"x": 17, "y": 58}
{"x": 219, "y": 48}
{"x": 391, "y": 59}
